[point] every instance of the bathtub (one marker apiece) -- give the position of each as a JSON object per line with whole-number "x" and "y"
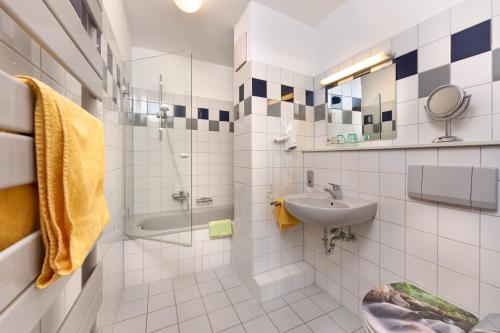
{"x": 175, "y": 221}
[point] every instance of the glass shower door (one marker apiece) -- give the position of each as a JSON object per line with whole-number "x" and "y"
{"x": 158, "y": 102}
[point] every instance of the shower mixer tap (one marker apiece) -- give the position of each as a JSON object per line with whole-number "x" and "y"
{"x": 180, "y": 196}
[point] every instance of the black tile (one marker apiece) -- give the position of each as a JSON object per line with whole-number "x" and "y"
{"x": 242, "y": 92}
{"x": 179, "y": 111}
{"x": 309, "y": 98}
{"x": 368, "y": 119}
{"x": 406, "y": 65}
{"x": 259, "y": 88}
{"x": 223, "y": 115}
{"x": 386, "y": 116}
{"x": 286, "y": 93}
{"x": 336, "y": 101}
{"x": 202, "y": 113}
{"x": 356, "y": 104}
{"x": 471, "y": 41}
{"x": 213, "y": 125}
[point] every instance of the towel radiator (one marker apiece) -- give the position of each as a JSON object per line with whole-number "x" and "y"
{"x": 22, "y": 305}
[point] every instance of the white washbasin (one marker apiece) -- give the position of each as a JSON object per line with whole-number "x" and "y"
{"x": 320, "y": 208}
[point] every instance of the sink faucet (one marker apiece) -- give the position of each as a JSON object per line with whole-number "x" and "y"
{"x": 335, "y": 190}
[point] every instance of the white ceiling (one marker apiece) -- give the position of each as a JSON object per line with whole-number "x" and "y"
{"x": 160, "y": 25}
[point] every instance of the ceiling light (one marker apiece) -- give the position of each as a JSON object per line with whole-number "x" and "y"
{"x": 189, "y": 6}
{"x": 356, "y": 68}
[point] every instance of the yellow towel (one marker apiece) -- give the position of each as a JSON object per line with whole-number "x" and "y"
{"x": 69, "y": 144}
{"x": 283, "y": 218}
{"x": 221, "y": 228}
{"x": 18, "y": 214}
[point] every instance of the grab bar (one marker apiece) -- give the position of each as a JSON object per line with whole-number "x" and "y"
{"x": 204, "y": 200}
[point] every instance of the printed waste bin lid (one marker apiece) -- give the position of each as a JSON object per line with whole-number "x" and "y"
{"x": 404, "y": 308}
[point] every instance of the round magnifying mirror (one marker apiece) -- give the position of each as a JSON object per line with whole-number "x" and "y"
{"x": 444, "y": 104}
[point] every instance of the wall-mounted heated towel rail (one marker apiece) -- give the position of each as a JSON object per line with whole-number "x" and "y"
{"x": 22, "y": 305}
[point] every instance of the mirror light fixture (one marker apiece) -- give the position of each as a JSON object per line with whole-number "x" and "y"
{"x": 189, "y": 6}
{"x": 357, "y": 68}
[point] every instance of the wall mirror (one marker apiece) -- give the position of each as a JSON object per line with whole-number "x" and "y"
{"x": 364, "y": 108}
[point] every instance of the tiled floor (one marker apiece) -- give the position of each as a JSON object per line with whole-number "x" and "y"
{"x": 217, "y": 301}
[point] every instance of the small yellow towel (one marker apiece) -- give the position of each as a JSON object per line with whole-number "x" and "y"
{"x": 221, "y": 228}
{"x": 69, "y": 144}
{"x": 18, "y": 214}
{"x": 283, "y": 218}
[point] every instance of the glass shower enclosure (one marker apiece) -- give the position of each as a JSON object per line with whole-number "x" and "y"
{"x": 157, "y": 104}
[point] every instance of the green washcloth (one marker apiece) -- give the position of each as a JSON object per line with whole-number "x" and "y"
{"x": 222, "y": 228}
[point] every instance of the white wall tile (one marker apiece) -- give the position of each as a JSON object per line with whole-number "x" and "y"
{"x": 434, "y": 28}
{"x": 459, "y": 225}
{"x": 422, "y": 217}
{"x": 407, "y": 113}
{"x": 469, "y": 13}
{"x": 459, "y": 289}
{"x": 434, "y": 54}
{"x": 422, "y": 245}
{"x": 393, "y": 161}
{"x": 490, "y": 267}
{"x": 489, "y": 296}
{"x": 459, "y": 257}
{"x": 490, "y": 232}
{"x": 392, "y": 260}
{"x": 422, "y": 273}
{"x": 472, "y": 71}
{"x": 405, "y": 42}
{"x": 407, "y": 88}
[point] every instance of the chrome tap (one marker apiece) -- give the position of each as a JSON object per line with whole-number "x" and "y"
{"x": 335, "y": 190}
{"x": 180, "y": 196}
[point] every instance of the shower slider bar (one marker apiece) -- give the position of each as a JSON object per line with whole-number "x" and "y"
{"x": 204, "y": 200}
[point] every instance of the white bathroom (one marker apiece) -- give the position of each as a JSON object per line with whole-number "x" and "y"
{"x": 249, "y": 166}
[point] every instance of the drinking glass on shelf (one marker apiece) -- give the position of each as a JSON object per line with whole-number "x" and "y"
{"x": 365, "y": 138}
{"x": 340, "y": 138}
{"x": 352, "y": 138}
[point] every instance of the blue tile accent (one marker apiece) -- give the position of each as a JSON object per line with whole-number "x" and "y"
{"x": 286, "y": 93}
{"x": 406, "y": 65}
{"x": 259, "y": 88}
{"x": 356, "y": 104}
{"x": 471, "y": 41}
{"x": 242, "y": 92}
{"x": 223, "y": 115}
{"x": 309, "y": 98}
{"x": 387, "y": 116}
{"x": 202, "y": 113}
{"x": 336, "y": 102}
{"x": 179, "y": 111}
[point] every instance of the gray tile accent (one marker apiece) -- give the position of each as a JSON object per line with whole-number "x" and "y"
{"x": 346, "y": 117}
{"x": 299, "y": 112}
{"x": 248, "y": 106}
{"x": 231, "y": 127}
{"x": 192, "y": 124}
{"x": 432, "y": 79}
{"x": 140, "y": 119}
{"x": 273, "y": 108}
{"x": 213, "y": 125}
{"x": 170, "y": 122}
{"x": 319, "y": 112}
{"x": 236, "y": 112}
{"x": 496, "y": 65}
